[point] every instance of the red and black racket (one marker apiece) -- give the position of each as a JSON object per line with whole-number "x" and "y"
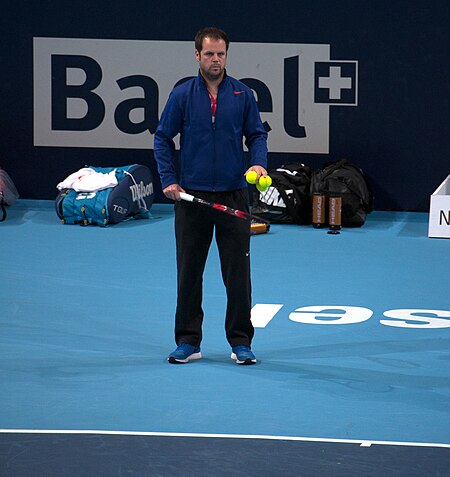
{"x": 222, "y": 208}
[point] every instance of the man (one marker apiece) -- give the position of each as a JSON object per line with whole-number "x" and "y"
{"x": 213, "y": 112}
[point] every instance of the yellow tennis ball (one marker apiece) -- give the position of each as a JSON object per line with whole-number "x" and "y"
{"x": 251, "y": 177}
{"x": 265, "y": 182}
{"x": 260, "y": 188}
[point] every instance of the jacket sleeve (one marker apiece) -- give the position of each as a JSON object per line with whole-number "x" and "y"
{"x": 255, "y": 134}
{"x": 164, "y": 147}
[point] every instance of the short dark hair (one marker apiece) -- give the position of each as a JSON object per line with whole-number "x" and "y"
{"x": 210, "y": 32}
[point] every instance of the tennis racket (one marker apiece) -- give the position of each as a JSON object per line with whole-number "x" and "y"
{"x": 222, "y": 208}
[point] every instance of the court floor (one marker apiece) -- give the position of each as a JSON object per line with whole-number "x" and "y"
{"x": 352, "y": 340}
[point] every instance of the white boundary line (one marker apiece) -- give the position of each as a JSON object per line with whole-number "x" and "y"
{"x": 361, "y": 442}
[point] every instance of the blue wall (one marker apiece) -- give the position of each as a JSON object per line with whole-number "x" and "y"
{"x": 399, "y": 133}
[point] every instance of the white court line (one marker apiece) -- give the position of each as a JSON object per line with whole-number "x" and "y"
{"x": 361, "y": 442}
{"x": 262, "y": 314}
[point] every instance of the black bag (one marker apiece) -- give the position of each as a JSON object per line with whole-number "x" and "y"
{"x": 341, "y": 178}
{"x": 8, "y": 192}
{"x": 131, "y": 198}
{"x": 287, "y": 200}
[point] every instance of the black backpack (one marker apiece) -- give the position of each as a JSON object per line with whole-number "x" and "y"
{"x": 348, "y": 181}
{"x": 287, "y": 200}
{"x": 8, "y": 193}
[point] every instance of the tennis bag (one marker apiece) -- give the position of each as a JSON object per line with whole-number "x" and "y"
{"x": 348, "y": 181}
{"x": 287, "y": 200}
{"x": 131, "y": 198}
{"x": 8, "y": 193}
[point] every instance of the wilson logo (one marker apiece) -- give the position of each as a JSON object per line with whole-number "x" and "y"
{"x": 141, "y": 190}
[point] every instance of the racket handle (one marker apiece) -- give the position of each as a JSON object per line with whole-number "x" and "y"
{"x": 188, "y": 197}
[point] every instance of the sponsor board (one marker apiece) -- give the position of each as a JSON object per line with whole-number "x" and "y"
{"x": 110, "y": 93}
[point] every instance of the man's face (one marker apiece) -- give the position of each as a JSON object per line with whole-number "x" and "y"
{"x": 212, "y": 59}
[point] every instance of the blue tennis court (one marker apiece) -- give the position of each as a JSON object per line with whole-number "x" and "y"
{"x": 352, "y": 340}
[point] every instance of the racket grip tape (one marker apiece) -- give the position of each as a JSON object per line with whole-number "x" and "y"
{"x": 187, "y": 197}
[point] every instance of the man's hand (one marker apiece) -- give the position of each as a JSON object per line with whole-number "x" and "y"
{"x": 173, "y": 191}
{"x": 259, "y": 170}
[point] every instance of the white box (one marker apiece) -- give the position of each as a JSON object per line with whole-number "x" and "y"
{"x": 439, "y": 224}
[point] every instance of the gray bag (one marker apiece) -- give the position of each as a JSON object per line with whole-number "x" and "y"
{"x": 8, "y": 192}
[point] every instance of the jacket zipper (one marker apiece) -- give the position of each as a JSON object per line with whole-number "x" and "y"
{"x": 213, "y": 125}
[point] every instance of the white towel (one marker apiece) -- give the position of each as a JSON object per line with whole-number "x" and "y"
{"x": 88, "y": 180}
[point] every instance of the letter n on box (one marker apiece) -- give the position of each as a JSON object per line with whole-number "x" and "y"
{"x": 439, "y": 223}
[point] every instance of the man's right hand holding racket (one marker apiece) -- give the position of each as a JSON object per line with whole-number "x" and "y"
{"x": 173, "y": 191}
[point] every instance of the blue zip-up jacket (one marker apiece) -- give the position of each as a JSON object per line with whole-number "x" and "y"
{"x": 211, "y": 153}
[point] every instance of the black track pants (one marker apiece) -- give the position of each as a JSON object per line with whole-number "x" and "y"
{"x": 194, "y": 229}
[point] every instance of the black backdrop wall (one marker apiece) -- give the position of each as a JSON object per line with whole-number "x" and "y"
{"x": 398, "y": 133}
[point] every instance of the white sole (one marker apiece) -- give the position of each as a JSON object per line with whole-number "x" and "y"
{"x": 233, "y": 356}
{"x": 192, "y": 357}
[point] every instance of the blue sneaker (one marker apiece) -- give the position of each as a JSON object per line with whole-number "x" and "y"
{"x": 243, "y": 355}
{"x": 184, "y": 353}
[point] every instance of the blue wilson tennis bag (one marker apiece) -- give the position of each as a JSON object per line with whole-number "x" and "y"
{"x": 131, "y": 198}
